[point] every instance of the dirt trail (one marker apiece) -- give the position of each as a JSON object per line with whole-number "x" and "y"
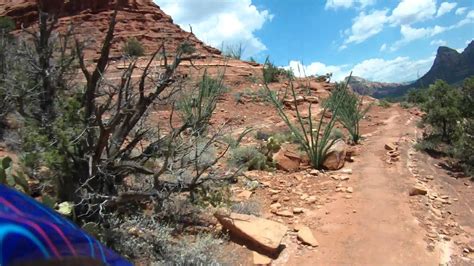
{"x": 376, "y": 226}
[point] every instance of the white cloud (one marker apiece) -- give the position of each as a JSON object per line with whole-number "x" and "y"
{"x": 460, "y": 11}
{"x": 438, "y": 43}
{"x": 445, "y": 8}
{"x": 400, "y": 69}
{"x": 335, "y": 4}
{"x": 366, "y": 26}
{"x": 410, "y": 34}
{"x": 220, "y": 22}
{"x": 411, "y": 11}
{"x": 318, "y": 68}
{"x": 467, "y": 20}
{"x": 383, "y": 47}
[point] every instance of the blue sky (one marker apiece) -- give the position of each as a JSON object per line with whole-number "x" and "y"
{"x": 382, "y": 40}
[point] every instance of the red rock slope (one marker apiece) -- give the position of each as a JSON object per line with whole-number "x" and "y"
{"x": 136, "y": 18}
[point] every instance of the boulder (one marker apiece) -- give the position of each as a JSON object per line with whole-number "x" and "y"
{"x": 265, "y": 234}
{"x": 335, "y": 156}
{"x": 306, "y": 236}
{"x": 287, "y": 160}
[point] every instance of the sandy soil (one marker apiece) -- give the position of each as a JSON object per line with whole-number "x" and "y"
{"x": 378, "y": 223}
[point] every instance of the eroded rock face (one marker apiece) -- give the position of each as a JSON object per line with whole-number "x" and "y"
{"x": 141, "y": 19}
{"x": 25, "y": 11}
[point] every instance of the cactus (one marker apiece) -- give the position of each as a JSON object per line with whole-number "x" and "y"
{"x": 15, "y": 180}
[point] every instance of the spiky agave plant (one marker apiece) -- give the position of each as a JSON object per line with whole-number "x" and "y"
{"x": 315, "y": 138}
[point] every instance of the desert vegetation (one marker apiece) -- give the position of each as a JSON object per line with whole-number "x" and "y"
{"x": 172, "y": 152}
{"x": 448, "y": 120}
{"x": 88, "y": 142}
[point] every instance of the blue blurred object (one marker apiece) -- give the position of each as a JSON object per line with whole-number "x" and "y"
{"x": 32, "y": 232}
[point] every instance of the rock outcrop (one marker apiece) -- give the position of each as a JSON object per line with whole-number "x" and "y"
{"x": 450, "y": 66}
{"x": 141, "y": 19}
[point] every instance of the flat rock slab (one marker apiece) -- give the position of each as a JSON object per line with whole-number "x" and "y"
{"x": 264, "y": 233}
{"x": 306, "y": 236}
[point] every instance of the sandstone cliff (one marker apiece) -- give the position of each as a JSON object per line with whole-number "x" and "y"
{"x": 136, "y": 18}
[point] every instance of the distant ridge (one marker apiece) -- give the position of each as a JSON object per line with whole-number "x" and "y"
{"x": 449, "y": 65}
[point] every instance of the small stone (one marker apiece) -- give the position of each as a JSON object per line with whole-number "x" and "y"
{"x": 306, "y": 236}
{"x": 284, "y": 213}
{"x": 314, "y": 172}
{"x": 335, "y": 177}
{"x": 445, "y": 197}
{"x": 339, "y": 189}
{"x": 286, "y": 198}
{"x": 298, "y": 210}
{"x": 344, "y": 178}
{"x": 245, "y": 194}
{"x": 349, "y": 190}
{"x": 346, "y": 171}
{"x": 348, "y": 196}
{"x": 390, "y": 147}
{"x": 431, "y": 246}
{"x": 311, "y": 199}
{"x": 275, "y": 206}
{"x": 274, "y": 191}
{"x": 417, "y": 190}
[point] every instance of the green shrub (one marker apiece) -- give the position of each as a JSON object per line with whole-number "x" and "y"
{"x": 384, "y": 104}
{"x": 249, "y": 158}
{"x": 272, "y": 73}
{"x": 417, "y": 96}
{"x": 249, "y": 207}
{"x": 337, "y": 134}
{"x": 6, "y": 25}
{"x": 143, "y": 239}
{"x": 133, "y": 48}
{"x": 234, "y": 51}
{"x": 405, "y": 105}
{"x": 443, "y": 110}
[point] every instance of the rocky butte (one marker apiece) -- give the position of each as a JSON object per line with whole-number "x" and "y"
{"x": 141, "y": 19}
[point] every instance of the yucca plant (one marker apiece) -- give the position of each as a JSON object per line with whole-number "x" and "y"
{"x": 315, "y": 138}
{"x": 351, "y": 111}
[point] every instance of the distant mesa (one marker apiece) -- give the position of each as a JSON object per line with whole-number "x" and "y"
{"x": 141, "y": 19}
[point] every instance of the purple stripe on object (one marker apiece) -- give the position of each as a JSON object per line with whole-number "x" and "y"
{"x": 35, "y": 226}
